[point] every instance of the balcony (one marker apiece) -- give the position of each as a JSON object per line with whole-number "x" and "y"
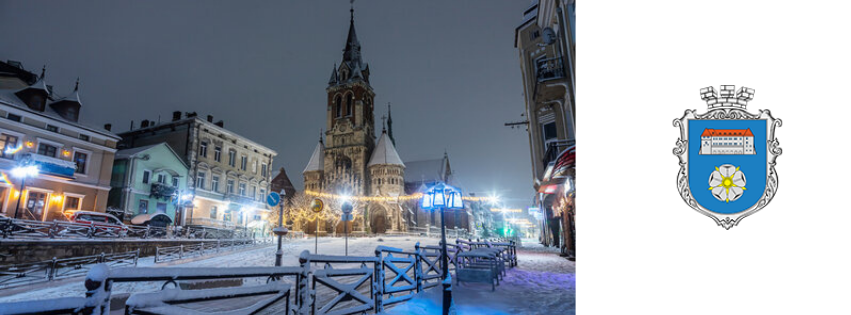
{"x": 162, "y": 191}
{"x": 550, "y": 69}
{"x": 554, "y": 148}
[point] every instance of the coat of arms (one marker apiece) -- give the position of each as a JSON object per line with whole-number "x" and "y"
{"x": 727, "y": 156}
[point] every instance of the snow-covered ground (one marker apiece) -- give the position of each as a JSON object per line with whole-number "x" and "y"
{"x": 542, "y": 283}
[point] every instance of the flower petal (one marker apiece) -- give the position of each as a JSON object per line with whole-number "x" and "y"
{"x": 720, "y": 193}
{"x": 727, "y": 170}
{"x": 735, "y": 193}
{"x": 739, "y": 179}
{"x": 715, "y": 179}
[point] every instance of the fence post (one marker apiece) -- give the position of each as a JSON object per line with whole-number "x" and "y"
{"x": 51, "y": 271}
{"x": 378, "y": 282}
{"x": 136, "y": 258}
{"x": 302, "y": 288}
{"x": 52, "y": 231}
{"x": 218, "y": 245}
{"x": 91, "y": 230}
{"x": 157, "y": 255}
{"x": 418, "y": 268}
{"x": 102, "y": 257}
{"x": 180, "y": 254}
{"x": 97, "y": 290}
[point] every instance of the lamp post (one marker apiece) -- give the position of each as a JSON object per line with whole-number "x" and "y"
{"x": 441, "y": 197}
{"x": 317, "y": 205}
{"x": 280, "y": 231}
{"x": 347, "y": 210}
{"x": 23, "y": 172}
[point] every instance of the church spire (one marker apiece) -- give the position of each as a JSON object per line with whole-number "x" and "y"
{"x": 351, "y": 54}
{"x": 390, "y": 125}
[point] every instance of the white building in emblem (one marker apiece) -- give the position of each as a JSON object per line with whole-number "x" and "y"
{"x": 726, "y": 142}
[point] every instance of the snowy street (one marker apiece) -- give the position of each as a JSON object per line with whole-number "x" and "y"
{"x": 542, "y": 283}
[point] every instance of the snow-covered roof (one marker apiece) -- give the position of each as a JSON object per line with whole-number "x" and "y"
{"x": 385, "y": 153}
{"x": 315, "y": 163}
{"x": 132, "y": 152}
{"x": 8, "y": 97}
{"x": 426, "y": 170}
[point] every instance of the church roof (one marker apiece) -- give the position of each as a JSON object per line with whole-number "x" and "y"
{"x": 427, "y": 170}
{"x": 333, "y": 79}
{"x": 315, "y": 163}
{"x": 385, "y": 153}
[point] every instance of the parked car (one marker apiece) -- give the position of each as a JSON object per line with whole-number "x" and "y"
{"x": 99, "y": 219}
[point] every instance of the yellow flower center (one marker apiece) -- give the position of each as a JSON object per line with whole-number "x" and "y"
{"x": 727, "y": 183}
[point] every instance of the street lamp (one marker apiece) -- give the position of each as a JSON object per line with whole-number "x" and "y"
{"x": 278, "y": 199}
{"x": 441, "y": 197}
{"x": 23, "y": 172}
{"x": 347, "y": 212}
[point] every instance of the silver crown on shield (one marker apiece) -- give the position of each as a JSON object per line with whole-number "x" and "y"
{"x": 730, "y": 98}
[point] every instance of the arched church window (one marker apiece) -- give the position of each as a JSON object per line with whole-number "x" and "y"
{"x": 349, "y": 103}
{"x": 338, "y": 102}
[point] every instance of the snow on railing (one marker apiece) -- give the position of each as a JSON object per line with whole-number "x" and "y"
{"x": 171, "y": 253}
{"x": 42, "y": 271}
{"x": 12, "y": 228}
{"x": 324, "y": 284}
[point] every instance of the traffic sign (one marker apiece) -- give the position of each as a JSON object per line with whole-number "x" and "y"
{"x": 347, "y": 217}
{"x": 317, "y": 205}
{"x": 273, "y": 199}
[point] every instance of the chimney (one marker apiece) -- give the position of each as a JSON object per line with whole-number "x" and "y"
{"x": 131, "y": 125}
{"x": 175, "y": 116}
{"x": 209, "y": 118}
{"x": 144, "y": 124}
{"x": 220, "y": 123}
{"x": 108, "y": 127}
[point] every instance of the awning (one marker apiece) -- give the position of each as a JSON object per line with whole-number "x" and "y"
{"x": 557, "y": 171}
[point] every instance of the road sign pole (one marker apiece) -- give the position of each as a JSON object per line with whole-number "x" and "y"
{"x": 346, "y": 231}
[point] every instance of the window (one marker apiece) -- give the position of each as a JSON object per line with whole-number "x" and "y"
{"x": 84, "y": 137}
{"x": 13, "y": 117}
{"x": 161, "y": 207}
{"x": 36, "y": 203}
{"x": 143, "y": 206}
{"x": 81, "y": 159}
{"x": 242, "y": 189}
{"x": 213, "y": 212}
{"x": 262, "y": 193}
{"x": 349, "y": 103}
{"x": 232, "y": 157}
{"x": 230, "y": 186}
{"x": 72, "y": 203}
{"x": 46, "y": 150}
{"x": 52, "y": 128}
{"x": 214, "y": 186}
{"x": 338, "y": 108}
{"x": 175, "y": 181}
{"x": 253, "y": 191}
{"x": 146, "y": 177}
{"x": 8, "y": 146}
{"x": 161, "y": 178}
{"x": 257, "y": 217}
{"x": 217, "y": 155}
{"x": 203, "y": 150}
{"x": 200, "y": 180}
{"x": 263, "y": 169}
{"x": 243, "y": 163}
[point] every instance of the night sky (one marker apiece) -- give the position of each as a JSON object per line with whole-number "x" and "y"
{"x": 449, "y": 68}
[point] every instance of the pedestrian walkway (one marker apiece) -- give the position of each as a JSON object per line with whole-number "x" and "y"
{"x": 542, "y": 283}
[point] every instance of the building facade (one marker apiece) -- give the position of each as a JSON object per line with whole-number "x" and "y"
{"x": 41, "y": 128}
{"x": 726, "y": 141}
{"x": 229, "y": 175}
{"x": 349, "y": 161}
{"x": 546, "y": 44}
{"x": 147, "y": 180}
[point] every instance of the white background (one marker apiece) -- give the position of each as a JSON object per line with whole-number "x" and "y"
{"x": 641, "y": 249}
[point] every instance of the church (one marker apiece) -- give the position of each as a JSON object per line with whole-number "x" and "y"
{"x": 350, "y": 161}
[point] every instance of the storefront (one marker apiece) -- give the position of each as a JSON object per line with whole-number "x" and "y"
{"x": 556, "y": 197}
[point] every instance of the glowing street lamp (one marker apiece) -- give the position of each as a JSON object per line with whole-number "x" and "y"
{"x": 441, "y": 197}
{"x": 23, "y": 172}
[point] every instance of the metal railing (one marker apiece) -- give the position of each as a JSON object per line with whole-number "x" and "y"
{"x": 19, "y": 228}
{"x": 172, "y": 253}
{"x": 550, "y": 69}
{"x": 324, "y": 284}
{"x": 42, "y": 271}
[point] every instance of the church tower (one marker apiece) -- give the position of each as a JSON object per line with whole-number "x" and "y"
{"x": 350, "y": 135}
